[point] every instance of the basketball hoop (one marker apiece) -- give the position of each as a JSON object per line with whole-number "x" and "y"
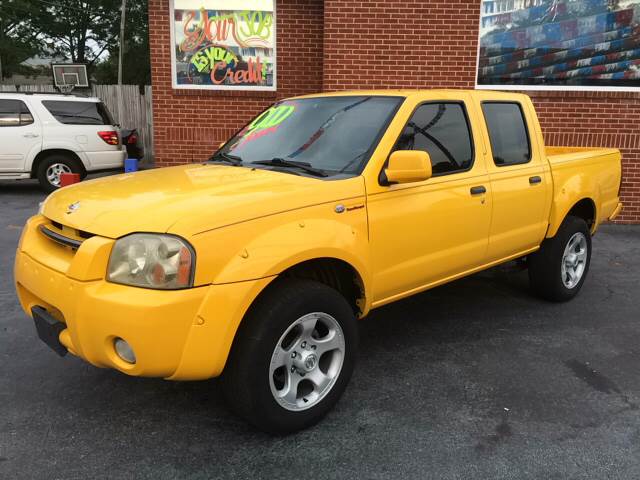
{"x": 67, "y": 76}
{"x": 66, "y": 88}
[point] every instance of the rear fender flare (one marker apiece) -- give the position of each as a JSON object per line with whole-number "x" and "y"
{"x": 58, "y": 147}
{"x": 576, "y": 189}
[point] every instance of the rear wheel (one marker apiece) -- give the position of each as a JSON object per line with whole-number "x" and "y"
{"x": 558, "y": 270}
{"x": 50, "y": 169}
{"x": 293, "y": 356}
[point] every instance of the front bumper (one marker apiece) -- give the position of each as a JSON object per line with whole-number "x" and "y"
{"x": 180, "y": 335}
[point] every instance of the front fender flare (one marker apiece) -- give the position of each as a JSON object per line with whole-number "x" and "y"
{"x": 245, "y": 255}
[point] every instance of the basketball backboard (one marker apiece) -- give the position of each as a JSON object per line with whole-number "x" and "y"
{"x": 67, "y": 76}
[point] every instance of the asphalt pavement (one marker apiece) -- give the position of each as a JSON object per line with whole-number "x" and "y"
{"x": 472, "y": 380}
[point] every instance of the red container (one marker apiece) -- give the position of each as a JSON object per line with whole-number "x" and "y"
{"x": 69, "y": 179}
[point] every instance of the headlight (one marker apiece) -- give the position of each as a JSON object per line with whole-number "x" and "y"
{"x": 155, "y": 261}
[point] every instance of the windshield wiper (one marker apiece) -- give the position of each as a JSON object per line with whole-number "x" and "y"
{"x": 281, "y": 162}
{"x": 225, "y": 157}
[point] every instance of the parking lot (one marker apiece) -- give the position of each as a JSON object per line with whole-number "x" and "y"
{"x": 476, "y": 379}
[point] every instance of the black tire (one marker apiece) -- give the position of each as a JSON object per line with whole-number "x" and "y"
{"x": 545, "y": 266}
{"x": 57, "y": 158}
{"x": 246, "y": 381}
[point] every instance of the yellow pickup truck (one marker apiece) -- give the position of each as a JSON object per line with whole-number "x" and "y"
{"x": 255, "y": 265}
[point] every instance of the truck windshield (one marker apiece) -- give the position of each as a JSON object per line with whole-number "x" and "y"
{"x": 329, "y": 135}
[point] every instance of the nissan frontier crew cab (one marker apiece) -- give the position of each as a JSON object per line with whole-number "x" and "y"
{"x": 255, "y": 265}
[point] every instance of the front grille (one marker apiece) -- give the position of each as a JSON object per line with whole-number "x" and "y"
{"x": 62, "y": 235}
{"x": 61, "y": 239}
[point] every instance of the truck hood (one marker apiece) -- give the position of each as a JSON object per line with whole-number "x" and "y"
{"x": 188, "y": 199}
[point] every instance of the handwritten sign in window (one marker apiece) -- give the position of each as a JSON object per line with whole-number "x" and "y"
{"x": 224, "y": 45}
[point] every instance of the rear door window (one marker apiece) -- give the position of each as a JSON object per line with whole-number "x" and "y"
{"x": 78, "y": 113}
{"x": 14, "y": 113}
{"x": 508, "y": 133}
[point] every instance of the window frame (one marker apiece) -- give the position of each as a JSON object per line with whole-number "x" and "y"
{"x": 526, "y": 131}
{"x": 382, "y": 177}
{"x": 20, "y": 113}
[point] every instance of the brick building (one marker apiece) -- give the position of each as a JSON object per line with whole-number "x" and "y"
{"x": 339, "y": 45}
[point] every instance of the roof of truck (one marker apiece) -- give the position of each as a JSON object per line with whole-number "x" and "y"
{"x": 409, "y": 93}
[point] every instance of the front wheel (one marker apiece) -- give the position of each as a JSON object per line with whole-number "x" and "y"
{"x": 293, "y": 356}
{"x": 558, "y": 270}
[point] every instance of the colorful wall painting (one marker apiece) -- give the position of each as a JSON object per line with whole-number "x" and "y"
{"x": 223, "y": 44}
{"x": 559, "y": 45}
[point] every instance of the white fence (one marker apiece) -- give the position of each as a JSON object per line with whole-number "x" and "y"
{"x": 137, "y": 107}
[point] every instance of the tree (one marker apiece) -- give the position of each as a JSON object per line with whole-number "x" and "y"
{"x": 18, "y": 38}
{"x": 136, "y": 69}
{"x": 78, "y": 30}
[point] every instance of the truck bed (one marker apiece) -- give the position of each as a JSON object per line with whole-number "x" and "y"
{"x": 567, "y": 154}
{"x": 588, "y": 169}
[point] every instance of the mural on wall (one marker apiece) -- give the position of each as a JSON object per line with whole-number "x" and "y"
{"x": 559, "y": 44}
{"x": 224, "y": 44}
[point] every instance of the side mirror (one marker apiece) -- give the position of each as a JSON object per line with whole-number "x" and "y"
{"x": 408, "y": 166}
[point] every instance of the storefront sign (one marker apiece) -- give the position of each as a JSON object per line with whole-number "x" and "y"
{"x": 223, "y": 44}
{"x": 559, "y": 45}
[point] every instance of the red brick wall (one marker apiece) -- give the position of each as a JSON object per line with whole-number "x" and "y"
{"x": 338, "y": 45}
{"x": 400, "y": 44}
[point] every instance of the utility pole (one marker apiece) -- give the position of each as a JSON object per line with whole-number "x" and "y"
{"x": 1, "y": 43}
{"x": 120, "y": 53}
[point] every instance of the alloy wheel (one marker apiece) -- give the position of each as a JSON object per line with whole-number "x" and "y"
{"x": 54, "y": 172}
{"x": 574, "y": 260}
{"x": 306, "y": 361}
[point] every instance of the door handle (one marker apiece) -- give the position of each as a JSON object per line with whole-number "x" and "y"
{"x": 535, "y": 180}
{"x": 479, "y": 190}
{"x": 30, "y": 135}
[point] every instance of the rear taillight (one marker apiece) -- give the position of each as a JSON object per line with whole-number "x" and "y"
{"x": 133, "y": 139}
{"x": 110, "y": 137}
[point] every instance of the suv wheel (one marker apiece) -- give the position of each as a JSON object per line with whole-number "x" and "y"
{"x": 558, "y": 270}
{"x": 293, "y": 356}
{"x": 52, "y": 167}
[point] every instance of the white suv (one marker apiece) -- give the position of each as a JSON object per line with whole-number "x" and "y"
{"x": 45, "y": 135}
